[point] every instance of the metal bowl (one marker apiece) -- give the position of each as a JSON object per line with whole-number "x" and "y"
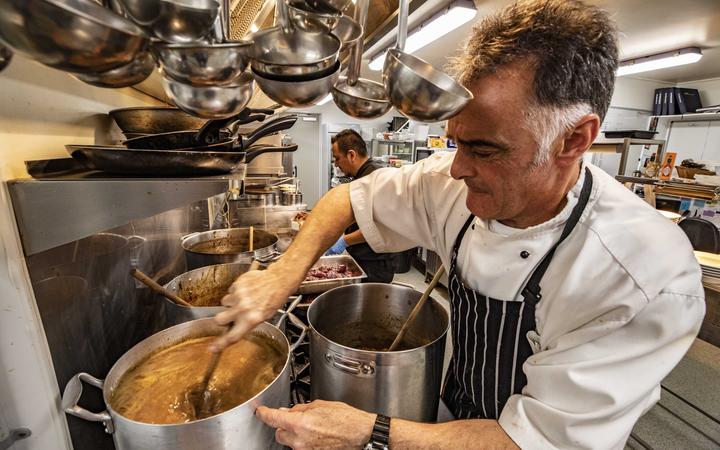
{"x": 124, "y": 76}
{"x": 204, "y": 64}
{"x": 348, "y": 31}
{"x": 309, "y": 20}
{"x": 328, "y": 5}
{"x": 298, "y": 92}
{"x": 177, "y": 21}
{"x": 210, "y": 102}
{"x": 365, "y": 100}
{"x": 294, "y": 53}
{"x": 74, "y": 35}
{"x": 420, "y": 91}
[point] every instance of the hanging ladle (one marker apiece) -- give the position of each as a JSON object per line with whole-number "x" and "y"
{"x": 358, "y": 97}
{"x": 416, "y": 88}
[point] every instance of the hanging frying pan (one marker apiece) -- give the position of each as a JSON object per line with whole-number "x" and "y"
{"x": 124, "y": 161}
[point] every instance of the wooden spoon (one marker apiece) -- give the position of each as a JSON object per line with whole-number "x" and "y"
{"x": 413, "y": 314}
{"x": 149, "y": 282}
{"x": 198, "y": 395}
{"x": 250, "y": 244}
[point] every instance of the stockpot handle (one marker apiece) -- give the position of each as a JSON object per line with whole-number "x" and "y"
{"x": 298, "y": 323}
{"x": 350, "y": 365}
{"x": 287, "y": 311}
{"x": 271, "y": 257}
{"x": 71, "y": 397}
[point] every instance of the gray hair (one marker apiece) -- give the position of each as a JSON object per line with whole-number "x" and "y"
{"x": 548, "y": 123}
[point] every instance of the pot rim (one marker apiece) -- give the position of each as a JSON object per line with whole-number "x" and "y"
{"x": 256, "y": 251}
{"x": 107, "y": 390}
{"x": 313, "y": 330}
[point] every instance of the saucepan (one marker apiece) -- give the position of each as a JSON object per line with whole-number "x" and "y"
{"x": 210, "y": 102}
{"x": 416, "y": 88}
{"x": 124, "y": 76}
{"x": 78, "y": 36}
{"x": 228, "y": 245}
{"x": 154, "y": 119}
{"x": 236, "y": 425}
{"x": 178, "y": 21}
{"x": 358, "y": 97}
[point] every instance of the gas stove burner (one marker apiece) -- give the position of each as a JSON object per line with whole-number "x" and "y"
{"x": 300, "y": 365}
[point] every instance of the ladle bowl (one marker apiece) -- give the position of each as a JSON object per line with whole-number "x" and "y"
{"x": 204, "y": 64}
{"x": 177, "y": 21}
{"x": 210, "y": 102}
{"x": 72, "y": 35}
{"x": 277, "y": 53}
{"x": 328, "y": 5}
{"x": 348, "y": 31}
{"x": 298, "y": 92}
{"x": 365, "y": 100}
{"x": 124, "y": 76}
{"x": 309, "y": 20}
{"x": 419, "y": 91}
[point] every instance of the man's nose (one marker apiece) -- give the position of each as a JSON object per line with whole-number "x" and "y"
{"x": 461, "y": 166}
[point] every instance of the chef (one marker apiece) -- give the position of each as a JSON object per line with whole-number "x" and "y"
{"x": 571, "y": 299}
{"x": 351, "y": 156}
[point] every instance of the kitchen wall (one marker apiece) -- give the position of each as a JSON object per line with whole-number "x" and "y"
{"x": 41, "y": 110}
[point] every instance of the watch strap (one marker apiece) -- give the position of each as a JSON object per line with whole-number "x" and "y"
{"x": 380, "y": 437}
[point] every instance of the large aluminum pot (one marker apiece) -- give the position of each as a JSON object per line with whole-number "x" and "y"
{"x": 235, "y": 428}
{"x": 404, "y": 383}
{"x": 224, "y": 246}
{"x": 205, "y": 286}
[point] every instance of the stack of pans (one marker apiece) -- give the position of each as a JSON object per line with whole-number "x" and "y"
{"x": 210, "y": 150}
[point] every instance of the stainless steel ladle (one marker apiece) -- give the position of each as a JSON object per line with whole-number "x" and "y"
{"x": 416, "y": 88}
{"x": 358, "y": 97}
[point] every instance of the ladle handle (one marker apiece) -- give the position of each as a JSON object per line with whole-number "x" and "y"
{"x": 416, "y": 310}
{"x": 149, "y": 282}
{"x": 361, "y": 13}
{"x": 404, "y": 8}
{"x": 283, "y": 16}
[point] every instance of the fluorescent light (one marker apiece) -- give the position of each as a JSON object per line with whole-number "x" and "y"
{"x": 437, "y": 27}
{"x": 325, "y": 99}
{"x": 660, "y": 61}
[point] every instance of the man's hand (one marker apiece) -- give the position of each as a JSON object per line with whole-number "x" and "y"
{"x": 319, "y": 425}
{"x": 254, "y": 297}
{"x": 338, "y": 247}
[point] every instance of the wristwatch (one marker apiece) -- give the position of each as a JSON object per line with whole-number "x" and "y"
{"x": 380, "y": 437}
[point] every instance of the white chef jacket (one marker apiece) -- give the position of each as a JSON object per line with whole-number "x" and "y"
{"x": 622, "y": 298}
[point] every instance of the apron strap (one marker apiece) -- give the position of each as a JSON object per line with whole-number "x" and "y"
{"x": 458, "y": 240}
{"x": 531, "y": 292}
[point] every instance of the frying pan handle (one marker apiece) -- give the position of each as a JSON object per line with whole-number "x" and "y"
{"x": 210, "y": 132}
{"x": 273, "y": 126}
{"x": 71, "y": 397}
{"x": 298, "y": 323}
{"x": 252, "y": 154}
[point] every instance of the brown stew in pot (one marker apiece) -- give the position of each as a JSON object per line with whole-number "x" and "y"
{"x": 155, "y": 391}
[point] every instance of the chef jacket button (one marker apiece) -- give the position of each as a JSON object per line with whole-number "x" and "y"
{"x": 524, "y": 254}
{"x": 472, "y": 226}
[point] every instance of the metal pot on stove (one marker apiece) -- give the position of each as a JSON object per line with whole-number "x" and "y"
{"x": 351, "y": 325}
{"x": 234, "y": 428}
{"x": 228, "y": 245}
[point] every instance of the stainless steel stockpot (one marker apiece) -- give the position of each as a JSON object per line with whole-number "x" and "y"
{"x": 232, "y": 429}
{"x": 403, "y": 384}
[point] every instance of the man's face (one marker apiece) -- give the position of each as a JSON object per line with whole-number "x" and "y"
{"x": 342, "y": 161}
{"x": 495, "y": 152}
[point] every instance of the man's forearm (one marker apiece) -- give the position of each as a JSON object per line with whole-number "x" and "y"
{"x": 332, "y": 214}
{"x": 480, "y": 434}
{"x": 354, "y": 238}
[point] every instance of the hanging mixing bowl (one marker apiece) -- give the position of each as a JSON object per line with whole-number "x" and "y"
{"x": 298, "y": 91}
{"x": 296, "y": 53}
{"x": 309, "y": 20}
{"x": 178, "y": 21}
{"x": 210, "y": 102}
{"x": 124, "y": 76}
{"x": 204, "y": 64}
{"x": 74, "y": 35}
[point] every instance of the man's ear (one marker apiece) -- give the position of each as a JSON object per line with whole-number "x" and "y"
{"x": 578, "y": 140}
{"x": 351, "y": 155}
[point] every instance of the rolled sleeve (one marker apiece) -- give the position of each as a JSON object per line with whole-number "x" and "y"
{"x": 590, "y": 393}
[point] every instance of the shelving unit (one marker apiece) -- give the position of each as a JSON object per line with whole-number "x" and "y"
{"x": 392, "y": 145}
{"x": 622, "y": 146}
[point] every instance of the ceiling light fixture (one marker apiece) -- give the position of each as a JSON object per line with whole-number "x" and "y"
{"x": 439, "y": 25}
{"x": 660, "y": 61}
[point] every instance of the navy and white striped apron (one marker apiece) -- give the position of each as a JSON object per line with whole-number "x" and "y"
{"x": 489, "y": 336}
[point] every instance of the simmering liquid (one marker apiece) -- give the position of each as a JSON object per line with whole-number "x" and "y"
{"x": 371, "y": 336}
{"x": 156, "y": 390}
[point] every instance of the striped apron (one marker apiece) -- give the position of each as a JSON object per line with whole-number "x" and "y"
{"x": 489, "y": 336}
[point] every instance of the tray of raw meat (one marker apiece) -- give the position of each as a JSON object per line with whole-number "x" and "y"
{"x": 330, "y": 272}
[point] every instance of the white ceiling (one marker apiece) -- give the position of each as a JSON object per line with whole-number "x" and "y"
{"x": 645, "y": 27}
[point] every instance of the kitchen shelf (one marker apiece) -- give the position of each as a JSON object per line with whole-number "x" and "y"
{"x": 622, "y": 146}
{"x": 690, "y": 117}
{"x": 63, "y": 207}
